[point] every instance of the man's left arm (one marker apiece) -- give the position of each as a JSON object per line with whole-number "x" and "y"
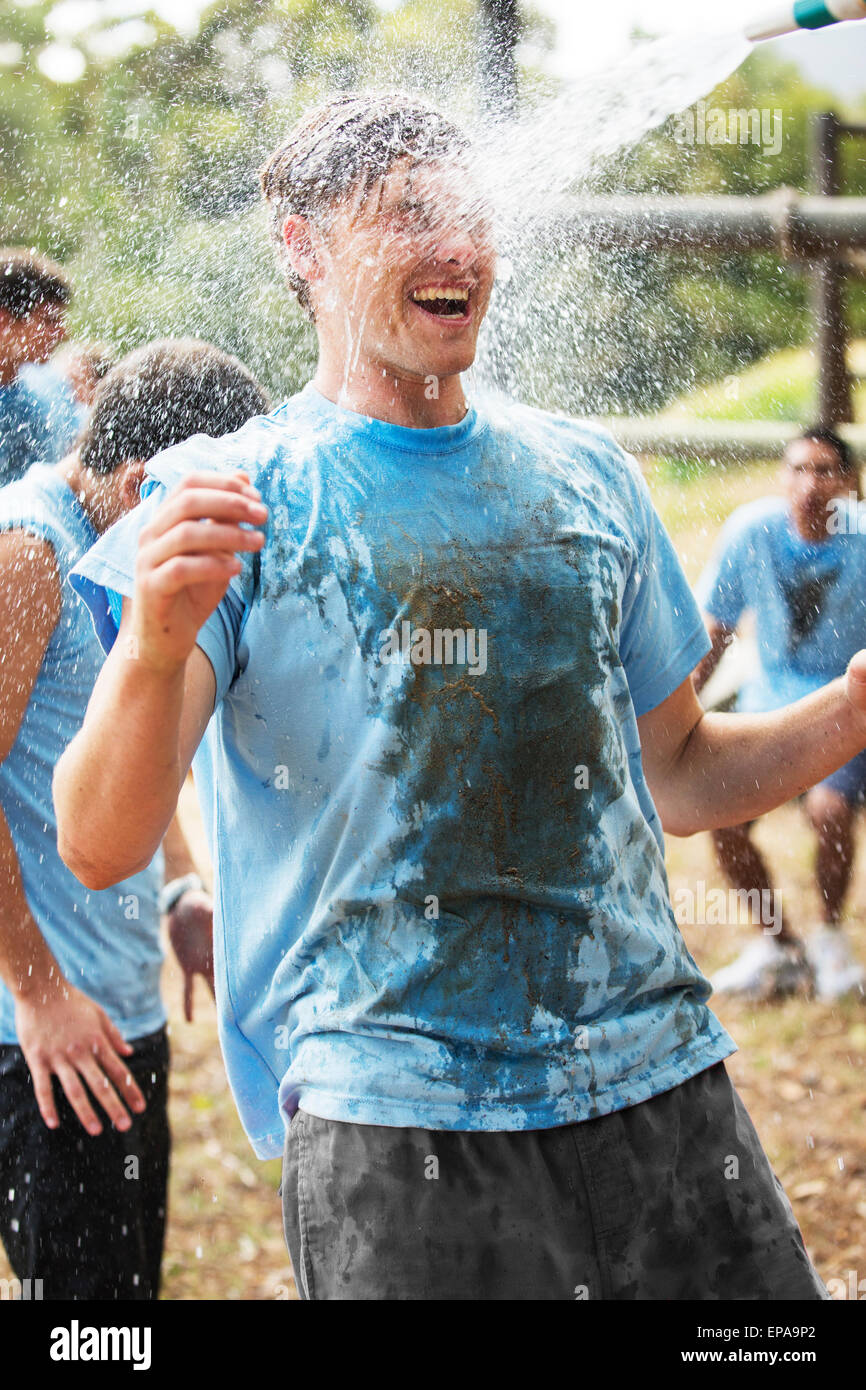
{"x": 709, "y": 771}
{"x": 189, "y": 912}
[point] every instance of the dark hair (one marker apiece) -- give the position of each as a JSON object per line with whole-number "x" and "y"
{"x": 162, "y": 394}
{"x": 28, "y": 280}
{"x": 821, "y": 434}
{"x": 355, "y": 138}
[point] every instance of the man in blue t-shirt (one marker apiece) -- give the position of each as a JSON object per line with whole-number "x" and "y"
{"x": 38, "y": 416}
{"x": 82, "y": 1023}
{"x": 431, "y": 661}
{"x": 798, "y": 564}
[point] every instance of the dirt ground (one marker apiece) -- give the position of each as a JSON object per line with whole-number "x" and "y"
{"x": 801, "y": 1067}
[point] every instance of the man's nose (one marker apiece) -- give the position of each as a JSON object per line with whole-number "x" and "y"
{"x": 455, "y": 246}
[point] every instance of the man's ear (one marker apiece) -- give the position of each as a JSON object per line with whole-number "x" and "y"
{"x": 131, "y": 478}
{"x": 298, "y": 238}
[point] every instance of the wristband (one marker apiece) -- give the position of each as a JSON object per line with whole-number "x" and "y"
{"x": 171, "y": 893}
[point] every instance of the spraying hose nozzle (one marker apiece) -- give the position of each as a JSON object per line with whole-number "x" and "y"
{"x": 805, "y": 14}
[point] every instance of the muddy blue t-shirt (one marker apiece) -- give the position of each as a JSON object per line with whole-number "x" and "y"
{"x": 440, "y": 891}
{"x": 808, "y": 597}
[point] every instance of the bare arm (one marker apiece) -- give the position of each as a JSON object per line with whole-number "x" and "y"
{"x": 61, "y": 1032}
{"x": 707, "y": 771}
{"x": 117, "y": 784}
{"x": 721, "y": 638}
{"x": 29, "y": 612}
{"x": 190, "y": 921}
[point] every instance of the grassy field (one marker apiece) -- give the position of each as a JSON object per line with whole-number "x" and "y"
{"x": 779, "y": 387}
{"x": 801, "y": 1067}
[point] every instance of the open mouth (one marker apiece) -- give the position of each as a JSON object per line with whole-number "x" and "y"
{"x": 442, "y": 301}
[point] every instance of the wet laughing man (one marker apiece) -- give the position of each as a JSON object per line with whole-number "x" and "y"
{"x": 451, "y": 987}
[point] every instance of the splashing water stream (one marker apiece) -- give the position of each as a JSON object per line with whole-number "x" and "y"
{"x": 531, "y": 162}
{"x": 549, "y": 310}
{"x": 530, "y": 169}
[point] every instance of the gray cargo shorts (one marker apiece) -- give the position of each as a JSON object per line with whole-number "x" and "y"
{"x": 670, "y": 1199}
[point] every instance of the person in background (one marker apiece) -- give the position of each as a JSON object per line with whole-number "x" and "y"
{"x": 798, "y": 563}
{"x": 81, "y": 367}
{"x": 38, "y": 419}
{"x": 82, "y": 1023}
{"x": 71, "y": 380}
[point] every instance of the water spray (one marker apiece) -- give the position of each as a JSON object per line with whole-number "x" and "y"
{"x": 805, "y": 14}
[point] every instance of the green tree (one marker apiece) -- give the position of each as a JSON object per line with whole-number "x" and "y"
{"x": 142, "y": 175}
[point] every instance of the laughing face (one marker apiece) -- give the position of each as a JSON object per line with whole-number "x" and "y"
{"x": 406, "y": 274}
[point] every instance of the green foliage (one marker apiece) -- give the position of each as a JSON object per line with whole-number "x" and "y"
{"x": 706, "y": 316}
{"x": 141, "y": 175}
{"x": 779, "y": 387}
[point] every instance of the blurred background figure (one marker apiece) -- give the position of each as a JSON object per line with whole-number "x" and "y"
{"x": 82, "y": 1020}
{"x": 84, "y": 365}
{"x": 39, "y": 418}
{"x": 70, "y": 380}
{"x": 798, "y": 563}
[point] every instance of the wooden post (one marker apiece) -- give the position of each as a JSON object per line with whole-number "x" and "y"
{"x": 828, "y": 295}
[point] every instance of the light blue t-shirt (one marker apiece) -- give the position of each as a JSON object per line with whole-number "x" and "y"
{"x": 39, "y": 420}
{"x": 808, "y": 598}
{"x": 440, "y": 891}
{"x": 106, "y": 943}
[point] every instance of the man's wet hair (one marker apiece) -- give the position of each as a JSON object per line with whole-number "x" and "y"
{"x": 351, "y": 142}
{"x": 164, "y": 393}
{"x": 28, "y": 280}
{"x": 822, "y": 434}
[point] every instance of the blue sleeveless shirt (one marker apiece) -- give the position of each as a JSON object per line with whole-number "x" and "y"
{"x": 106, "y": 943}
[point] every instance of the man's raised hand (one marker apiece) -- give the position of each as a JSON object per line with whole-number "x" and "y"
{"x": 186, "y": 558}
